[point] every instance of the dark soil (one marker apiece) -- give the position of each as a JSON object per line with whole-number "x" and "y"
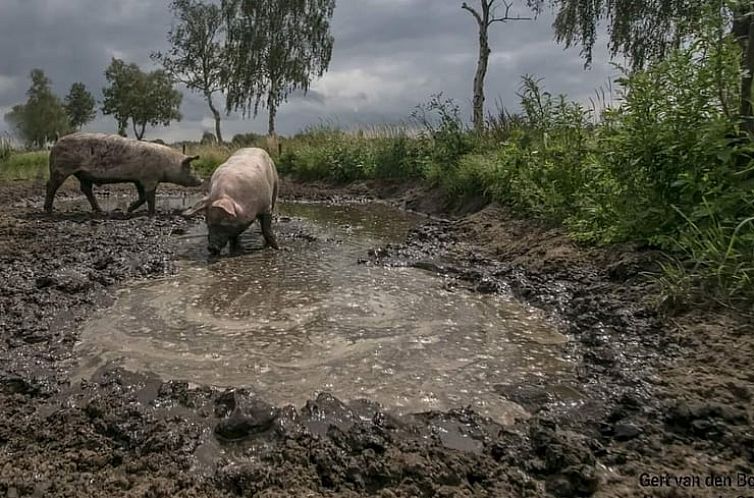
{"x": 662, "y": 394}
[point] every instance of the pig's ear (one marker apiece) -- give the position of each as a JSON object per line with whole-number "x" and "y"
{"x": 199, "y": 206}
{"x": 188, "y": 160}
{"x": 228, "y": 205}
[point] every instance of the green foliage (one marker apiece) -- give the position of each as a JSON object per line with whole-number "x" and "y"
{"x": 139, "y": 97}
{"x": 715, "y": 260}
{"x": 25, "y": 166}
{"x": 325, "y": 152}
{"x": 79, "y": 106}
{"x": 211, "y": 155}
{"x": 642, "y": 30}
{"x": 275, "y": 48}
{"x": 670, "y": 142}
{"x": 246, "y": 139}
{"x": 443, "y": 127}
{"x": 43, "y": 117}
{"x": 646, "y": 31}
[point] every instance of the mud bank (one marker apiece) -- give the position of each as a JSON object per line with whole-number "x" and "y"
{"x": 661, "y": 394}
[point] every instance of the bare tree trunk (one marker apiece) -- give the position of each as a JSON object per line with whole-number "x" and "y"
{"x": 273, "y": 112}
{"x": 216, "y": 114}
{"x": 139, "y": 133}
{"x": 485, "y": 18}
{"x": 481, "y": 74}
{"x": 747, "y": 111}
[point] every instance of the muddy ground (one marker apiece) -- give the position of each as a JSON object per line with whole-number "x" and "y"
{"x": 662, "y": 393}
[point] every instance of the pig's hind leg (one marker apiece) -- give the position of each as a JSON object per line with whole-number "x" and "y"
{"x": 265, "y": 219}
{"x": 141, "y": 200}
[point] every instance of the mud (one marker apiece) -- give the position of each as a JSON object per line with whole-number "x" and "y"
{"x": 660, "y": 394}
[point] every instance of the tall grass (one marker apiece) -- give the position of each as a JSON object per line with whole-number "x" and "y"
{"x": 25, "y": 166}
{"x": 210, "y": 156}
{"x": 326, "y": 152}
{"x": 6, "y": 147}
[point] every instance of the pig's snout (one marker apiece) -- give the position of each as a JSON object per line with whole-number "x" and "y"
{"x": 194, "y": 181}
{"x": 217, "y": 238}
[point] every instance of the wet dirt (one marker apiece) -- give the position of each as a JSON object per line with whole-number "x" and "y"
{"x": 657, "y": 394}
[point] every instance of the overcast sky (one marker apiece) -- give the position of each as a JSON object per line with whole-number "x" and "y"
{"x": 389, "y": 55}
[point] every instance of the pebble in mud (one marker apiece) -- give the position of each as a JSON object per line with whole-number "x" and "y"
{"x": 625, "y": 431}
{"x": 248, "y": 416}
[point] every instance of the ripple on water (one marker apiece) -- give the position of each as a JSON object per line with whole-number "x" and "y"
{"x": 307, "y": 319}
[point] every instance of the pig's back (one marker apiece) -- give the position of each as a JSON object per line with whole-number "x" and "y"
{"x": 109, "y": 156}
{"x": 248, "y": 177}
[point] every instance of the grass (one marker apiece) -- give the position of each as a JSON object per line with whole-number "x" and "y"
{"x": 25, "y": 166}
{"x": 210, "y": 156}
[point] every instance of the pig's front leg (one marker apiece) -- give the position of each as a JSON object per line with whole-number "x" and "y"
{"x": 86, "y": 187}
{"x": 152, "y": 200}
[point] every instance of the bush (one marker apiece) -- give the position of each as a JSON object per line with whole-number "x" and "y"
{"x": 324, "y": 152}
{"x": 208, "y": 138}
{"x": 246, "y": 140}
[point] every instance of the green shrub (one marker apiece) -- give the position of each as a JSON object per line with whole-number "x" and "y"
{"x": 246, "y": 140}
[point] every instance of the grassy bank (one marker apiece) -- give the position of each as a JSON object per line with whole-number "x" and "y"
{"x": 24, "y": 166}
{"x": 664, "y": 166}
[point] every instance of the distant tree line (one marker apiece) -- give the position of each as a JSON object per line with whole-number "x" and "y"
{"x": 44, "y": 116}
{"x": 255, "y": 54}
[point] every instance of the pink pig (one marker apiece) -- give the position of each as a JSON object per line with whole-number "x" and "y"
{"x": 242, "y": 189}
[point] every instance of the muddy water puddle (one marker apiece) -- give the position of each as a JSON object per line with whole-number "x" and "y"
{"x": 307, "y": 319}
{"x": 119, "y": 200}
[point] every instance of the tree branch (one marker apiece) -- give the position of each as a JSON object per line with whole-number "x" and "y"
{"x": 507, "y": 17}
{"x": 466, "y": 6}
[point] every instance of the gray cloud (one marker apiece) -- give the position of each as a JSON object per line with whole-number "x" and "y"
{"x": 389, "y": 56}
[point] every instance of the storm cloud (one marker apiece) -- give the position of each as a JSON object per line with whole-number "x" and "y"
{"x": 389, "y": 56}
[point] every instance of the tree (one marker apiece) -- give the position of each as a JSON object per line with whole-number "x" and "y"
{"x": 486, "y": 17}
{"x": 139, "y": 97}
{"x": 645, "y": 30}
{"x": 196, "y": 56}
{"x": 43, "y": 117}
{"x": 275, "y": 47}
{"x": 79, "y": 106}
